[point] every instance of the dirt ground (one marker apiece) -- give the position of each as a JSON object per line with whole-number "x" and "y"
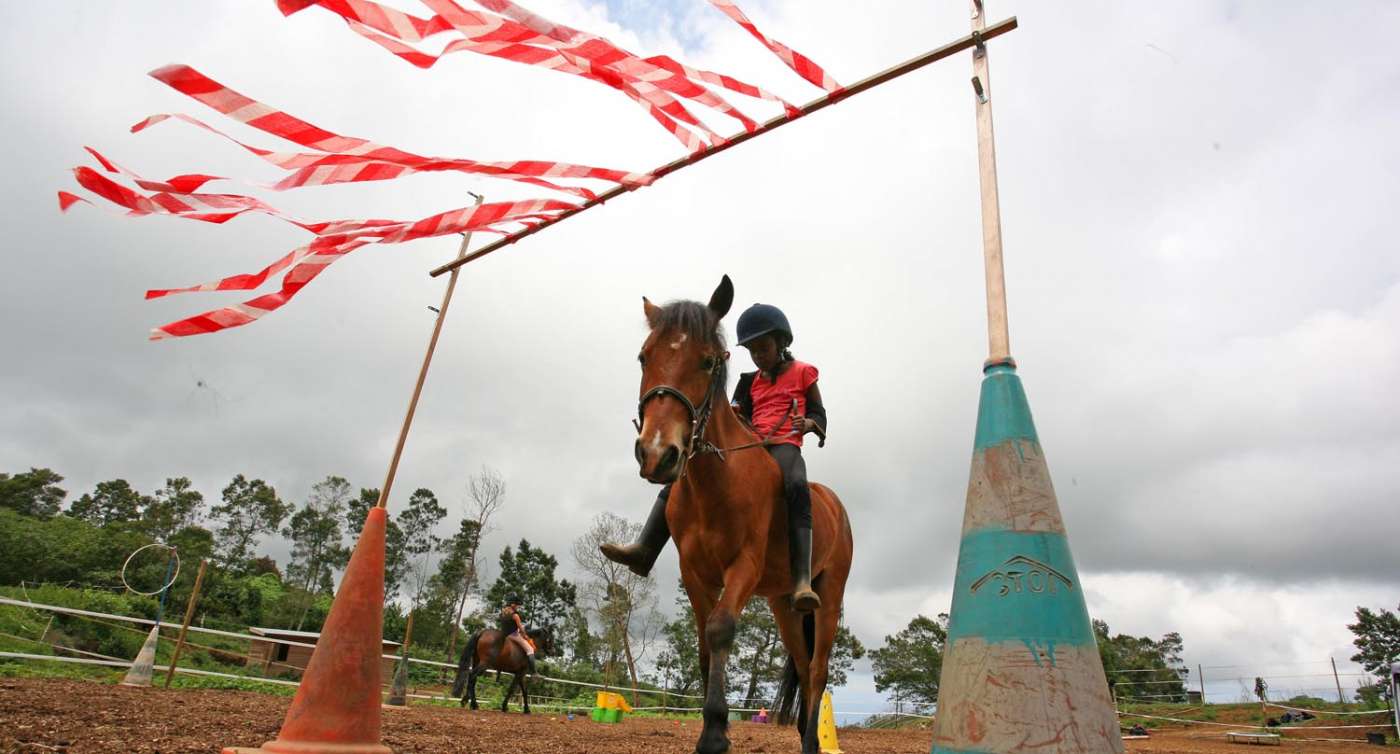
{"x": 84, "y": 716}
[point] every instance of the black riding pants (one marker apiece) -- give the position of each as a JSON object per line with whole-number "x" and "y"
{"x": 795, "y": 490}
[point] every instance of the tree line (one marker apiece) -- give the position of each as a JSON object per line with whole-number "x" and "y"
{"x": 608, "y": 625}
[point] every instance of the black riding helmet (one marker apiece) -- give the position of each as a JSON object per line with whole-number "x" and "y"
{"x": 513, "y": 599}
{"x": 764, "y": 319}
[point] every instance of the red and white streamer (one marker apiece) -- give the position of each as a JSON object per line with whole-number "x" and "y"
{"x": 343, "y": 153}
{"x": 659, "y": 84}
{"x": 304, "y": 263}
{"x": 799, "y": 63}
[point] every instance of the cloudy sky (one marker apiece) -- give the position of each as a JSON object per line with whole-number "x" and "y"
{"x": 1198, "y": 204}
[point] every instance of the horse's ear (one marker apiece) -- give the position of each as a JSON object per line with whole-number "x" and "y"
{"x": 722, "y": 298}
{"x": 652, "y": 311}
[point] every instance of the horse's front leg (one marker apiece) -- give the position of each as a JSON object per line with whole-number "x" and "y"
{"x": 825, "y": 622}
{"x": 739, "y": 582}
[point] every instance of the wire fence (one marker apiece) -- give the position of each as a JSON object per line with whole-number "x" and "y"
{"x": 1129, "y": 687}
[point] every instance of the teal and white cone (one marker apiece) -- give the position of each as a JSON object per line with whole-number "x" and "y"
{"x": 1021, "y": 670}
{"x": 144, "y": 666}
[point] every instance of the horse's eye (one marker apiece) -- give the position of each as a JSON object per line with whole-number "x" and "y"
{"x": 641, "y": 359}
{"x": 707, "y": 363}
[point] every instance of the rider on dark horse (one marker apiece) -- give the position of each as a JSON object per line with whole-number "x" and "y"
{"x": 513, "y": 629}
{"x": 781, "y": 403}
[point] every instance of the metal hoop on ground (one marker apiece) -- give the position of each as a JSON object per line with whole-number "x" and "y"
{"x": 173, "y": 576}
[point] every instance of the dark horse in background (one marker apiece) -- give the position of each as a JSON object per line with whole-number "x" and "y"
{"x": 488, "y": 650}
{"x": 728, "y": 517}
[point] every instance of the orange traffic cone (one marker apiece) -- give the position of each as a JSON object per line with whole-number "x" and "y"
{"x": 336, "y": 708}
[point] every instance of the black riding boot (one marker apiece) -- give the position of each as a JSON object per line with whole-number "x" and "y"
{"x": 804, "y": 600}
{"x": 641, "y": 555}
{"x": 530, "y": 662}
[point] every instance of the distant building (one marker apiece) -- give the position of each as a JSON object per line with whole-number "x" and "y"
{"x": 275, "y": 656}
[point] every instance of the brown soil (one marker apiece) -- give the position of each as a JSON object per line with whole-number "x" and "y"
{"x": 85, "y": 716}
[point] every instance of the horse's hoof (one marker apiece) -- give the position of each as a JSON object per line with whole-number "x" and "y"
{"x": 712, "y": 743}
{"x": 806, "y": 601}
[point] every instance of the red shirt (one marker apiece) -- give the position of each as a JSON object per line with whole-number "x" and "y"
{"x": 772, "y": 400}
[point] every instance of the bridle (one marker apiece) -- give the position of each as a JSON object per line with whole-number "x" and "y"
{"x": 699, "y": 418}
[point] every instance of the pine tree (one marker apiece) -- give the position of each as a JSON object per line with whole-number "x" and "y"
{"x": 250, "y": 509}
{"x": 911, "y": 661}
{"x": 174, "y": 507}
{"x": 111, "y": 502}
{"x": 33, "y": 493}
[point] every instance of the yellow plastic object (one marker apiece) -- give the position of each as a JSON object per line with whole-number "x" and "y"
{"x": 611, "y": 700}
{"x": 826, "y": 727}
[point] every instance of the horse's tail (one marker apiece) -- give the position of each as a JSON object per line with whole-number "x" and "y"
{"x": 465, "y": 665}
{"x": 786, "y": 704}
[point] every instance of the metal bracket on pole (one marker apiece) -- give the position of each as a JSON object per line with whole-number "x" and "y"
{"x": 977, "y": 87}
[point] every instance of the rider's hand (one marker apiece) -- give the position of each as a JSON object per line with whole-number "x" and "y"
{"x": 801, "y": 425}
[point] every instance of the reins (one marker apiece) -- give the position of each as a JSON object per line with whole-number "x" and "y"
{"x": 699, "y": 419}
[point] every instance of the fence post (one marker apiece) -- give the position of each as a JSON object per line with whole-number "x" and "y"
{"x": 185, "y": 627}
{"x": 1201, "y": 674}
{"x": 1340, "y": 699}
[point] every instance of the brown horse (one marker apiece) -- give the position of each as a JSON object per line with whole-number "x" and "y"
{"x": 728, "y": 517}
{"x": 486, "y": 650}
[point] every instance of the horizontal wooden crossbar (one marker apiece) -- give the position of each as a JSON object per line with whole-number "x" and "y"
{"x": 908, "y": 66}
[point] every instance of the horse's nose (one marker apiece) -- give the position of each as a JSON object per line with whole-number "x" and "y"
{"x": 658, "y": 462}
{"x": 668, "y": 468}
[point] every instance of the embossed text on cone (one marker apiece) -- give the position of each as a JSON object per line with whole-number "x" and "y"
{"x": 144, "y": 666}
{"x": 336, "y": 708}
{"x": 1021, "y": 670}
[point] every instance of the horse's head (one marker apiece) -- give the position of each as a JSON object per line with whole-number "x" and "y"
{"x": 683, "y": 370}
{"x": 544, "y": 640}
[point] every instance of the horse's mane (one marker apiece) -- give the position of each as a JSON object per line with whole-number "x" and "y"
{"x": 698, "y": 323}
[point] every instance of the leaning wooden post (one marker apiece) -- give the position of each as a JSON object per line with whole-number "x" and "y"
{"x": 337, "y": 705}
{"x": 423, "y": 371}
{"x": 398, "y": 690}
{"x": 1201, "y": 676}
{"x": 185, "y": 627}
{"x": 1021, "y": 671}
{"x": 1340, "y": 698}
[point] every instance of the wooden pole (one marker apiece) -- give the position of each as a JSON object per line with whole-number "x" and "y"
{"x": 423, "y": 372}
{"x": 998, "y": 335}
{"x": 1201, "y": 674}
{"x": 408, "y": 632}
{"x": 185, "y": 627}
{"x": 407, "y": 639}
{"x": 894, "y": 72}
{"x": 1340, "y": 699}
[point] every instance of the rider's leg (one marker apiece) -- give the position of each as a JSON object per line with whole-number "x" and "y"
{"x": 799, "y": 506}
{"x": 525, "y": 647}
{"x": 641, "y": 555}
